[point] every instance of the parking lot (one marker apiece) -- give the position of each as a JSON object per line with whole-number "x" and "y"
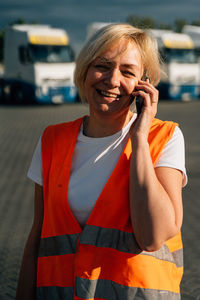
{"x": 20, "y": 128}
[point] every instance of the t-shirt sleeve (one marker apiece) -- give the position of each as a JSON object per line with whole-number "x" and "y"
{"x": 35, "y": 169}
{"x": 173, "y": 155}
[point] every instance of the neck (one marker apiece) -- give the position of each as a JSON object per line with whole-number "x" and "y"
{"x": 98, "y": 126}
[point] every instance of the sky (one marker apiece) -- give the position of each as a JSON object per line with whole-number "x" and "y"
{"x": 76, "y": 15}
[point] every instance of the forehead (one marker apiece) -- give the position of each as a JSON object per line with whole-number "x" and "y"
{"x": 123, "y": 50}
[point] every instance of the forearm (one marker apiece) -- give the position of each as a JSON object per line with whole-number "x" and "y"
{"x": 26, "y": 289}
{"x": 152, "y": 212}
{"x": 27, "y": 278}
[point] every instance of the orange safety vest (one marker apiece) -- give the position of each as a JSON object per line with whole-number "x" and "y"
{"x": 101, "y": 260}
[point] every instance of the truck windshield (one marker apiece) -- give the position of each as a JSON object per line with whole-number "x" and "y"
{"x": 180, "y": 56}
{"x": 50, "y": 54}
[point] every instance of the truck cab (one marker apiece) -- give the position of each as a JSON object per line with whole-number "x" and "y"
{"x": 181, "y": 72}
{"x": 180, "y": 76}
{"x": 194, "y": 33}
{"x": 39, "y": 65}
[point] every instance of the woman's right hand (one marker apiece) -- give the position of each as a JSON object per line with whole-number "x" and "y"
{"x": 141, "y": 126}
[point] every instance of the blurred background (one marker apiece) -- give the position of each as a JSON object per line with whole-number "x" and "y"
{"x": 76, "y": 15}
{"x": 39, "y": 41}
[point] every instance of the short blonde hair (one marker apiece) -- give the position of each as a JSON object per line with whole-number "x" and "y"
{"x": 106, "y": 37}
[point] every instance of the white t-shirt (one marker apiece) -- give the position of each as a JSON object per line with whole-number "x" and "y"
{"x": 93, "y": 162}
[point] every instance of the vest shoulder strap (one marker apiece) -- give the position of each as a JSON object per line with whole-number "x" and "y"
{"x": 59, "y": 138}
{"x": 159, "y": 135}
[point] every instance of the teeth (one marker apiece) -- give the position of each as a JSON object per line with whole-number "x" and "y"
{"x": 109, "y": 94}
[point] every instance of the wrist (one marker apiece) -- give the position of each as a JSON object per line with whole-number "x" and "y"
{"x": 140, "y": 140}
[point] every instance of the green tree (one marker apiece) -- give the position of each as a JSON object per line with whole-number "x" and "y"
{"x": 165, "y": 26}
{"x": 178, "y": 24}
{"x": 141, "y": 22}
{"x": 19, "y": 21}
{"x": 195, "y": 23}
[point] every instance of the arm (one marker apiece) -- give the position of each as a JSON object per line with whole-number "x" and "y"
{"x": 155, "y": 194}
{"x": 27, "y": 278}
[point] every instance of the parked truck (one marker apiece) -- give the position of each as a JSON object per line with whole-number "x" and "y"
{"x": 194, "y": 33}
{"x": 38, "y": 65}
{"x": 181, "y": 72}
{"x": 181, "y": 76}
{"x": 93, "y": 27}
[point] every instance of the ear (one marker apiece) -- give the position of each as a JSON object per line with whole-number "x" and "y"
{"x": 145, "y": 76}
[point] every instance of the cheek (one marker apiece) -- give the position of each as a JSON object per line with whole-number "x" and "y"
{"x": 92, "y": 77}
{"x": 129, "y": 85}
{"x": 88, "y": 82}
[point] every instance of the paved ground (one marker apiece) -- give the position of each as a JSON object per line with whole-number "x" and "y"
{"x": 20, "y": 128}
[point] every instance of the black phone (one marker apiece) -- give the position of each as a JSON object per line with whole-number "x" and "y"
{"x": 139, "y": 104}
{"x": 140, "y": 100}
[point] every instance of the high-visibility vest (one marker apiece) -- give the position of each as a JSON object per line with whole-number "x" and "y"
{"x": 101, "y": 260}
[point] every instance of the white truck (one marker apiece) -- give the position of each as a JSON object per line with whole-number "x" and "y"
{"x": 180, "y": 64}
{"x": 38, "y": 65}
{"x": 194, "y": 33}
{"x": 181, "y": 76}
{"x": 93, "y": 27}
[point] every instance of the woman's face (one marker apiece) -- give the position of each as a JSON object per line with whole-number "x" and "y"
{"x": 112, "y": 77}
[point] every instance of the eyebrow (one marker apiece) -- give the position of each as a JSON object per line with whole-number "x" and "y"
{"x": 130, "y": 65}
{"x": 108, "y": 61}
{"x": 104, "y": 59}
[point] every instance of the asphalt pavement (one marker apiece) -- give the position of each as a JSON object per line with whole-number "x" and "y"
{"x": 20, "y": 128}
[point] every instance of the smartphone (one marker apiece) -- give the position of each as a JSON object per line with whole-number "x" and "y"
{"x": 139, "y": 104}
{"x": 140, "y": 100}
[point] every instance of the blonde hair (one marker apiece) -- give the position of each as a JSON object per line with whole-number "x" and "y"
{"x": 109, "y": 35}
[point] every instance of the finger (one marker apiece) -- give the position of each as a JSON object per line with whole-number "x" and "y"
{"x": 150, "y": 90}
{"x": 146, "y": 83}
{"x": 146, "y": 86}
{"x": 144, "y": 95}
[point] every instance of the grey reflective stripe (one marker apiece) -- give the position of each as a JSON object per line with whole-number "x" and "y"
{"x": 104, "y": 237}
{"x": 165, "y": 254}
{"x": 124, "y": 242}
{"x": 108, "y": 289}
{"x": 58, "y": 245}
{"x": 55, "y": 293}
{"x": 178, "y": 257}
{"x": 111, "y": 238}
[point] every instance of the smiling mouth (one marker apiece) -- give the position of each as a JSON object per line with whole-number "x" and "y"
{"x": 108, "y": 95}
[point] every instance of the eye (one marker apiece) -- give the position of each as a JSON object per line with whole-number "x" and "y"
{"x": 101, "y": 66}
{"x": 128, "y": 73}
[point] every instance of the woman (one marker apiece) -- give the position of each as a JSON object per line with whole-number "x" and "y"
{"x": 108, "y": 203}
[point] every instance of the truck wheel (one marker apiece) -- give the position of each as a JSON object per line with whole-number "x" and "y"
{"x": 1, "y": 91}
{"x": 1, "y": 94}
{"x": 17, "y": 95}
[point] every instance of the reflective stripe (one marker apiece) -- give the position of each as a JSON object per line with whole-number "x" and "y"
{"x": 104, "y": 237}
{"x": 107, "y": 289}
{"x": 178, "y": 257}
{"x": 125, "y": 242}
{"x": 55, "y": 293}
{"x": 110, "y": 238}
{"x": 58, "y": 245}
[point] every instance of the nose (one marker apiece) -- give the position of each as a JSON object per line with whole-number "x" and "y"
{"x": 113, "y": 78}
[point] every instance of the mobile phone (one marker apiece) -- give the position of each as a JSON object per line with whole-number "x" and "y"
{"x": 139, "y": 104}
{"x": 140, "y": 100}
